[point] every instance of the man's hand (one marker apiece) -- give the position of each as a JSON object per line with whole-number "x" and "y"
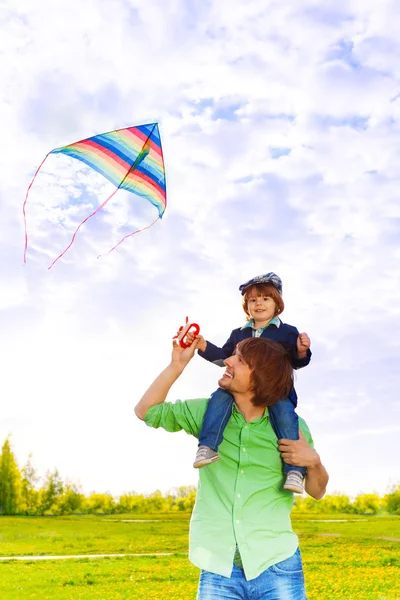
{"x": 303, "y": 344}
{"x": 202, "y": 343}
{"x": 182, "y": 356}
{"x": 298, "y": 452}
{"x": 157, "y": 392}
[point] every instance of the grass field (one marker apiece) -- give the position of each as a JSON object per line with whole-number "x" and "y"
{"x": 354, "y": 558}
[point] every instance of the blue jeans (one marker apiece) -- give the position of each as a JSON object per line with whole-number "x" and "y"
{"x": 282, "y": 415}
{"x": 283, "y": 581}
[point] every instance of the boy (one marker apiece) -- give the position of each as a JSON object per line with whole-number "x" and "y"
{"x": 262, "y": 303}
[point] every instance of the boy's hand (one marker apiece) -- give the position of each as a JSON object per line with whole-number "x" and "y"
{"x": 201, "y": 344}
{"x": 303, "y": 344}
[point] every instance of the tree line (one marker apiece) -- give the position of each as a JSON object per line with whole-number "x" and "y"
{"x": 23, "y": 492}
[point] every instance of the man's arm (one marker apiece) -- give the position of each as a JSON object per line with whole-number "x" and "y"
{"x": 316, "y": 481}
{"x": 299, "y": 453}
{"x": 157, "y": 392}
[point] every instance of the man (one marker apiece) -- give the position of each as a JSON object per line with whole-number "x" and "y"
{"x": 240, "y": 533}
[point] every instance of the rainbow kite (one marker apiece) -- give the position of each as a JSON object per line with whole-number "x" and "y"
{"x": 130, "y": 158}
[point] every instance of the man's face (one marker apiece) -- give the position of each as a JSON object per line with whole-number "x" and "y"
{"x": 237, "y": 374}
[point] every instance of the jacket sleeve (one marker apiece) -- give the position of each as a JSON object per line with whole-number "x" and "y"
{"x": 218, "y": 355}
{"x": 297, "y": 363}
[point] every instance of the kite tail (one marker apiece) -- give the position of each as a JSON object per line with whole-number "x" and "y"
{"x": 142, "y": 154}
{"x": 24, "y": 205}
{"x": 80, "y": 225}
{"x": 129, "y": 235}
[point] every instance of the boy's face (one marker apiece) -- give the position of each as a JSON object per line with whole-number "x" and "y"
{"x": 261, "y": 308}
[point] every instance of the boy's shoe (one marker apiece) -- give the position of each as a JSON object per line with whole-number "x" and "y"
{"x": 294, "y": 482}
{"x": 205, "y": 456}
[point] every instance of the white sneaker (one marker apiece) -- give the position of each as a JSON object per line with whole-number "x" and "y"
{"x": 294, "y": 482}
{"x": 205, "y": 456}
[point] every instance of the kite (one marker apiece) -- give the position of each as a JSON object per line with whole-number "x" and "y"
{"x": 130, "y": 158}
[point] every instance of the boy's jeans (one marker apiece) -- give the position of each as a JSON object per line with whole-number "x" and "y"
{"x": 283, "y": 581}
{"x": 283, "y": 420}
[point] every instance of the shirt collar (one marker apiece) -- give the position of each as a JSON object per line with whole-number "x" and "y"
{"x": 237, "y": 411}
{"x": 274, "y": 321}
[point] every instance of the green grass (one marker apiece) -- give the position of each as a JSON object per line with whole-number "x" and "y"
{"x": 105, "y": 579}
{"x": 90, "y": 535}
{"x": 348, "y": 525}
{"x": 342, "y": 560}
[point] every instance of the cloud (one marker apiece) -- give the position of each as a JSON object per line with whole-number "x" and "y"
{"x": 280, "y": 129}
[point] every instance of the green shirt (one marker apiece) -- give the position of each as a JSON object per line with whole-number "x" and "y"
{"x": 240, "y": 500}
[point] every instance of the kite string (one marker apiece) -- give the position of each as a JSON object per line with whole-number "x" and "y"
{"x": 24, "y": 205}
{"x": 129, "y": 235}
{"x": 142, "y": 154}
{"x": 102, "y": 205}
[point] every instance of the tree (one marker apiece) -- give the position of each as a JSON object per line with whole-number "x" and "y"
{"x": 100, "y": 503}
{"x": 336, "y": 503}
{"x": 392, "y": 500}
{"x": 29, "y": 493}
{"x": 367, "y": 504}
{"x": 10, "y": 481}
{"x": 183, "y": 498}
{"x": 155, "y": 502}
{"x": 71, "y": 500}
{"x": 53, "y": 488}
{"x": 131, "y": 502}
{"x": 306, "y": 504}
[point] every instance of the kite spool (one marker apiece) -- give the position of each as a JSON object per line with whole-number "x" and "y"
{"x": 184, "y": 330}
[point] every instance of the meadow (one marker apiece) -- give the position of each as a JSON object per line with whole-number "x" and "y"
{"x": 345, "y": 557}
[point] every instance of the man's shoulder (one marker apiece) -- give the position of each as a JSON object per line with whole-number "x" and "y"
{"x": 305, "y": 430}
{"x": 303, "y": 423}
{"x": 194, "y": 403}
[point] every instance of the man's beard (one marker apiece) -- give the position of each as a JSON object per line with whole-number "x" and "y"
{"x": 223, "y": 387}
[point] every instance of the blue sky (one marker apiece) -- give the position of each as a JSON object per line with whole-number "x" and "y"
{"x": 280, "y": 130}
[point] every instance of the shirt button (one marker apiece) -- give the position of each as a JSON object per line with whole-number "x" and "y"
{"x": 244, "y": 449}
{"x": 238, "y": 495}
{"x": 246, "y": 426}
{"x": 237, "y": 522}
{"x": 242, "y": 472}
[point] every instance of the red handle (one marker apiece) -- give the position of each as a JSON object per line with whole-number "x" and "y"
{"x": 196, "y": 332}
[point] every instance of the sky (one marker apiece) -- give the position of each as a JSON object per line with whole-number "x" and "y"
{"x": 280, "y": 128}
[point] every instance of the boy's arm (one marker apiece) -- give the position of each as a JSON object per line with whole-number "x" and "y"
{"x": 300, "y": 351}
{"x": 157, "y": 392}
{"x": 217, "y": 355}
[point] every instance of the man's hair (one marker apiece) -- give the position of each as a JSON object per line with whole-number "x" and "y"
{"x": 271, "y": 372}
{"x": 263, "y": 289}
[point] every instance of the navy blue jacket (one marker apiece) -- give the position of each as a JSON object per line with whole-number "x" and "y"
{"x": 285, "y": 334}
